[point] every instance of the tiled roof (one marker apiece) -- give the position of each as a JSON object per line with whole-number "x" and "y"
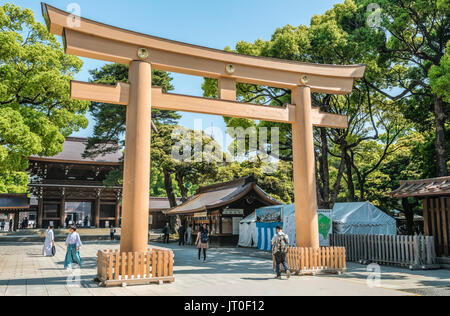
{"x": 423, "y": 188}
{"x": 160, "y": 203}
{"x": 14, "y": 201}
{"x": 74, "y": 148}
{"x": 221, "y": 194}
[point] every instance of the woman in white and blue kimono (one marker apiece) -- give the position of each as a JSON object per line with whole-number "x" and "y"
{"x": 73, "y": 243}
{"x": 49, "y": 242}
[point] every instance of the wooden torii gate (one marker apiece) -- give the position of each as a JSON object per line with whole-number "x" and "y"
{"x": 87, "y": 38}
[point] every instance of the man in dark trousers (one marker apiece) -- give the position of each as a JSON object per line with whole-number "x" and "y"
{"x": 112, "y": 233}
{"x": 25, "y": 223}
{"x": 181, "y": 232}
{"x": 280, "y": 247}
{"x": 166, "y": 232}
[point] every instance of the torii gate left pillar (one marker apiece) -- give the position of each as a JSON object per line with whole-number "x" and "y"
{"x": 136, "y": 186}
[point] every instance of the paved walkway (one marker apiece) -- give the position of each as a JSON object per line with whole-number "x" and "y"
{"x": 229, "y": 272}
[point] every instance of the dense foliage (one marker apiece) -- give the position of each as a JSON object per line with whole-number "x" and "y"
{"x": 36, "y": 113}
{"x": 398, "y": 113}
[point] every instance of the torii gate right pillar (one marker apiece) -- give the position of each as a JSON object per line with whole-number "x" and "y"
{"x": 306, "y": 220}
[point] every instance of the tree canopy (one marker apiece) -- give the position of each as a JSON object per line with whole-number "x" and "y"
{"x": 398, "y": 127}
{"x": 398, "y": 113}
{"x": 36, "y": 112}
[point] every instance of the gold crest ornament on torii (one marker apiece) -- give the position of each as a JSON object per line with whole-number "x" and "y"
{"x": 87, "y": 38}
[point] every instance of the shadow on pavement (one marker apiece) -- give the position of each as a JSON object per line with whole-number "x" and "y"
{"x": 86, "y": 281}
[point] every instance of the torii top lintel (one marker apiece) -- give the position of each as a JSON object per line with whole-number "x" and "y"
{"x": 91, "y": 39}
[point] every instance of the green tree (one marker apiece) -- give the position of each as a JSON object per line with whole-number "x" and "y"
{"x": 192, "y": 167}
{"x": 278, "y": 183}
{"x": 36, "y": 112}
{"x": 173, "y": 177}
{"x": 440, "y": 76}
{"x": 406, "y": 163}
{"x": 110, "y": 119}
{"x": 170, "y": 177}
{"x": 110, "y": 124}
{"x": 374, "y": 122}
{"x": 411, "y": 39}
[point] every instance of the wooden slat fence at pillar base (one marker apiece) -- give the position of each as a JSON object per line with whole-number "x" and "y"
{"x": 413, "y": 252}
{"x": 115, "y": 268}
{"x": 307, "y": 261}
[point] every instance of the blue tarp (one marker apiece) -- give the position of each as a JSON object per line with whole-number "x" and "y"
{"x": 267, "y": 220}
{"x": 266, "y": 231}
{"x": 288, "y": 210}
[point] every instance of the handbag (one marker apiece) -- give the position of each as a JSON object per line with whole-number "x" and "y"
{"x": 53, "y": 251}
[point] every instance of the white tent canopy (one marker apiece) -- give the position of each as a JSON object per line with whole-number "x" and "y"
{"x": 248, "y": 234}
{"x": 362, "y": 218}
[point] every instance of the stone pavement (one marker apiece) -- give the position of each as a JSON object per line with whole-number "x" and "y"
{"x": 228, "y": 272}
{"x": 428, "y": 282}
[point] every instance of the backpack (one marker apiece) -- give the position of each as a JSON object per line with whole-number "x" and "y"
{"x": 204, "y": 237}
{"x": 282, "y": 243}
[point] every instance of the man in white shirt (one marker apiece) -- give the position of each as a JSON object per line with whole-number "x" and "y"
{"x": 49, "y": 242}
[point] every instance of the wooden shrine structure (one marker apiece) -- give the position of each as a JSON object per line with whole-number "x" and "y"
{"x": 435, "y": 196}
{"x": 69, "y": 188}
{"x": 91, "y": 39}
{"x": 222, "y": 206}
{"x": 11, "y": 206}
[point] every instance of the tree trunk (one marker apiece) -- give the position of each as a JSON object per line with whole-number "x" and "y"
{"x": 441, "y": 152}
{"x": 319, "y": 190}
{"x": 171, "y": 196}
{"x": 337, "y": 184}
{"x": 409, "y": 215}
{"x": 169, "y": 188}
{"x": 350, "y": 185}
{"x": 362, "y": 191}
{"x": 324, "y": 169}
{"x": 180, "y": 182}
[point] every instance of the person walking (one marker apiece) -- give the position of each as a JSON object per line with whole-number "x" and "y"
{"x": 49, "y": 242}
{"x": 73, "y": 243}
{"x": 26, "y": 223}
{"x": 2, "y": 226}
{"x": 280, "y": 247}
{"x": 202, "y": 242}
{"x": 166, "y": 232}
{"x": 112, "y": 233}
{"x": 189, "y": 235}
{"x": 11, "y": 227}
{"x": 181, "y": 232}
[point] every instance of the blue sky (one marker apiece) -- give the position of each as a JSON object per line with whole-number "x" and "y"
{"x": 211, "y": 23}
